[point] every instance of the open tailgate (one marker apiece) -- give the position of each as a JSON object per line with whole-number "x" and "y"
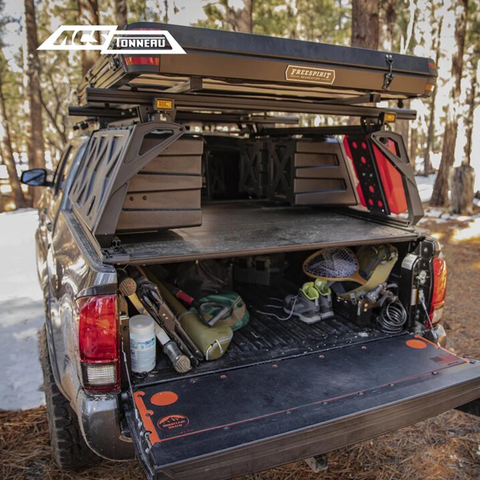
{"x": 234, "y": 422}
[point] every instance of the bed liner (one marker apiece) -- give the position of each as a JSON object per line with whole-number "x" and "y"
{"x": 266, "y": 338}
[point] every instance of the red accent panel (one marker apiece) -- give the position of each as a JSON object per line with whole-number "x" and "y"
{"x": 391, "y": 181}
{"x": 349, "y": 155}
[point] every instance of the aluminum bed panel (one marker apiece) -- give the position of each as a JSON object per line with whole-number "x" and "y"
{"x": 242, "y": 229}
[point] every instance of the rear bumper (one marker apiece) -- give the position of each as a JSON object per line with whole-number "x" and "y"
{"x": 99, "y": 418}
{"x": 372, "y": 414}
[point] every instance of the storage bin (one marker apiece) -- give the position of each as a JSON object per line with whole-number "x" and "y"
{"x": 309, "y": 172}
{"x": 167, "y": 192}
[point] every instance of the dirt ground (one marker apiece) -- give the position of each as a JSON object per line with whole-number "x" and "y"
{"x": 444, "y": 448}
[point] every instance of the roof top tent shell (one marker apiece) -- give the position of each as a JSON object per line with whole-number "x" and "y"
{"x": 241, "y": 64}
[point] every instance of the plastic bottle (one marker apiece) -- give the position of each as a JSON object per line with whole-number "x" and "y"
{"x": 142, "y": 343}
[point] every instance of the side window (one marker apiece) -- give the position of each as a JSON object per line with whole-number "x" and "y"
{"x": 60, "y": 173}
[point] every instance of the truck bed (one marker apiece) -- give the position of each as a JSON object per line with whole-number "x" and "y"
{"x": 266, "y": 338}
{"x": 246, "y": 228}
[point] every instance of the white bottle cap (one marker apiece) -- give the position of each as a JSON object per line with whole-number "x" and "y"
{"x": 141, "y": 324}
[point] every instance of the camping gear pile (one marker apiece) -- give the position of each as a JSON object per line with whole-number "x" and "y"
{"x": 193, "y": 310}
{"x": 188, "y": 330}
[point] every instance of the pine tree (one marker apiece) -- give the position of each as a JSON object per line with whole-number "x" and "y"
{"x": 8, "y": 157}
{"x": 440, "y": 189}
{"x": 121, "y": 13}
{"x": 432, "y": 104}
{"x": 36, "y": 151}
{"x": 365, "y": 24}
{"x": 88, "y": 15}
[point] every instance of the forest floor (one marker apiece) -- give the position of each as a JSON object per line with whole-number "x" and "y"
{"x": 443, "y": 448}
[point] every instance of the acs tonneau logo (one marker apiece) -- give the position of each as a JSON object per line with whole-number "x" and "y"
{"x": 108, "y": 40}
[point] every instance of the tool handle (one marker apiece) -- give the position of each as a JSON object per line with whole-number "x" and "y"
{"x": 203, "y": 306}
{"x": 163, "y": 338}
{"x": 181, "y": 363}
{"x": 138, "y": 304}
{"x": 180, "y": 294}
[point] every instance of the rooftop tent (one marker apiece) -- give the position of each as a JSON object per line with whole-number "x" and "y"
{"x": 257, "y": 65}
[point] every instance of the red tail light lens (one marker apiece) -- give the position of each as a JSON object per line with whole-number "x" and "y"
{"x": 439, "y": 289}
{"x": 142, "y": 61}
{"x": 99, "y": 342}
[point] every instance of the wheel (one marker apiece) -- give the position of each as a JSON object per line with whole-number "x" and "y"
{"x": 69, "y": 448}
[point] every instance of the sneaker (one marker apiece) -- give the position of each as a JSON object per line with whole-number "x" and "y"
{"x": 305, "y": 305}
{"x": 325, "y": 299}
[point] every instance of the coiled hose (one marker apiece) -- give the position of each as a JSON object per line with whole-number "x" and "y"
{"x": 393, "y": 316}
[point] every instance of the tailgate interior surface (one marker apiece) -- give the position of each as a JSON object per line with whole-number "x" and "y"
{"x": 197, "y": 416}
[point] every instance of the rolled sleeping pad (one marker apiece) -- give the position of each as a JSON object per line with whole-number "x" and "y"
{"x": 212, "y": 341}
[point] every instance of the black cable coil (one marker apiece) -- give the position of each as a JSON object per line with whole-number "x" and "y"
{"x": 393, "y": 317}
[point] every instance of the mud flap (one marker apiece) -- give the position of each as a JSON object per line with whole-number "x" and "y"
{"x": 230, "y": 423}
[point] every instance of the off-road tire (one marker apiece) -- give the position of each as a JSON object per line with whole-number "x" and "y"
{"x": 69, "y": 449}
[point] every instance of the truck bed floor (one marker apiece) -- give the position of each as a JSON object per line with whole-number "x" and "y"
{"x": 266, "y": 338}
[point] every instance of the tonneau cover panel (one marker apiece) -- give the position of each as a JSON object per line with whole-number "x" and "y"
{"x": 246, "y": 228}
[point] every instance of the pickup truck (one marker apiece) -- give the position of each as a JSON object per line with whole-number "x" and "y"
{"x": 207, "y": 168}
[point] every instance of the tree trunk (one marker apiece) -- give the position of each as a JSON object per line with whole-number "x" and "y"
{"x": 430, "y": 133}
{"x": 365, "y": 23}
{"x": 166, "y": 7}
{"x": 390, "y": 23}
{"x": 241, "y": 19}
{"x": 440, "y": 189}
{"x": 462, "y": 189}
{"x": 7, "y": 153}
{"x": 35, "y": 144}
{"x": 413, "y": 145}
{"x": 470, "y": 117}
{"x": 88, "y": 15}
{"x": 402, "y": 127}
{"x": 121, "y": 13}
{"x": 365, "y": 30}
{"x": 433, "y": 99}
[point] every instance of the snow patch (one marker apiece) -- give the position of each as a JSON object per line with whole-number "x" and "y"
{"x": 21, "y": 304}
{"x": 425, "y": 186}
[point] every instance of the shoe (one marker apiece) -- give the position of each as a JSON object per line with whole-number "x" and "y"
{"x": 305, "y": 305}
{"x": 325, "y": 299}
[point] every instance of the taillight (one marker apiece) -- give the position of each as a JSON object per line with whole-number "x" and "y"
{"x": 439, "y": 289}
{"x": 142, "y": 61}
{"x": 99, "y": 342}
